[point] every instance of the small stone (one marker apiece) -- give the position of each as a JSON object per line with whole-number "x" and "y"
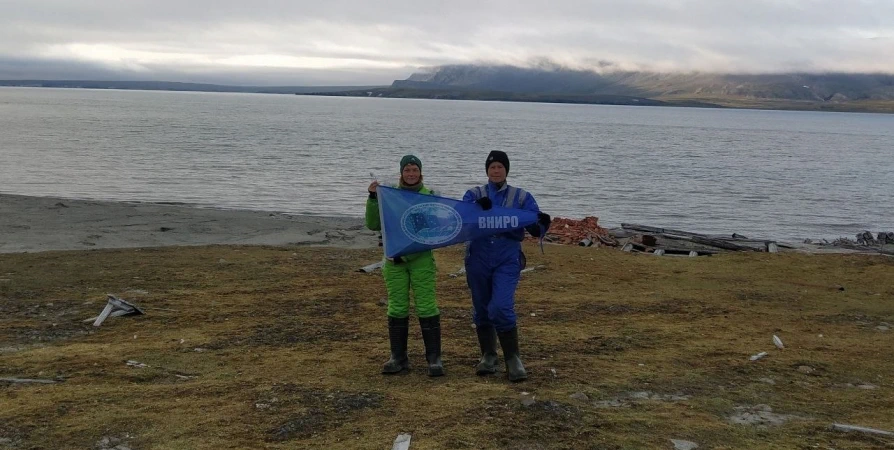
{"x": 882, "y": 328}
{"x": 221, "y": 261}
{"x": 533, "y": 315}
{"x": 805, "y": 369}
{"x": 867, "y": 386}
{"x": 767, "y": 380}
{"x": 580, "y": 396}
{"x": 527, "y": 399}
{"x": 383, "y": 302}
{"x": 683, "y": 445}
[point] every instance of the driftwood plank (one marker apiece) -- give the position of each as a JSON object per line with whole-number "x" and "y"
{"x": 117, "y": 313}
{"x": 846, "y": 428}
{"x": 371, "y": 267}
{"x": 104, "y": 314}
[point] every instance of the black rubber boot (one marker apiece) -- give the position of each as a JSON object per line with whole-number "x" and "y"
{"x": 487, "y": 339}
{"x": 431, "y": 336}
{"x": 515, "y": 370}
{"x": 398, "y": 329}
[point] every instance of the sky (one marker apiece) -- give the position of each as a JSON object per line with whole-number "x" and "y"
{"x": 365, "y": 42}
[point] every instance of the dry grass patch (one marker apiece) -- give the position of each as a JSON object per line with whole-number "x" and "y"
{"x": 260, "y": 347}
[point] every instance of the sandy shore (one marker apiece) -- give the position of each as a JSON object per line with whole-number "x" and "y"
{"x": 34, "y": 224}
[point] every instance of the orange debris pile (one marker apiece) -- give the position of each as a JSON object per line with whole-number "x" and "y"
{"x": 571, "y": 231}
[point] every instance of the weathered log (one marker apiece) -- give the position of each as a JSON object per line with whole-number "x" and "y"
{"x": 722, "y": 244}
{"x": 847, "y": 428}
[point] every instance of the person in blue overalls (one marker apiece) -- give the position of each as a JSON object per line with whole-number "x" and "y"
{"x": 493, "y": 266}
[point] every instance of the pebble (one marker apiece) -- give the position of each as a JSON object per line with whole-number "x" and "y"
{"x": 805, "y": 369}
{"x": 580, "y": 396}
{"x": 680, "y": 444}
{"x": 527, "y": 399}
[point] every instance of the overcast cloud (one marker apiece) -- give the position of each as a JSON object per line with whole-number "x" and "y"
{"x": 375, "y": 42}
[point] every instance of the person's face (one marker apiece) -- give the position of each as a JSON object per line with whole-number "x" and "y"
{"x": 411, "y": 174}
{"x": 496, "y": 172}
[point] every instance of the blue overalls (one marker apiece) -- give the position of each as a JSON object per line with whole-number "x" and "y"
{"x": 492, "y": 263}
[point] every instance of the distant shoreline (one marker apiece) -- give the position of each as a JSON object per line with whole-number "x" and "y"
{"x": 875, "y": 107}
{"x": 728, "y": 102}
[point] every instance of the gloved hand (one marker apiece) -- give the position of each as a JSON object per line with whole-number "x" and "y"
{"x": 485, "y": 203}
{"x": 544, "y": 219}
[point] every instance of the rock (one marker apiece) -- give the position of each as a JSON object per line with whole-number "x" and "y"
{"x": 580, "y": 396}
{"x": 805, "y": 369}
{"x": 767, "y": 380}
{"x": 614, "y": 403}
{"x": 683, "y": 445}
{"x": 882, "y": 328}
{"x": 867, "y": 386}
{"x": 527, "y": 399}
{"x": 758, "y": 356}
{"x": 759, "y": 415}
{"x": 221, "y": 261}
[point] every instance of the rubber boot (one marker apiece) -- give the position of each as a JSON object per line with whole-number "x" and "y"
{"x": 431, "y": 336}
{"x": 398, "y": 329}
{"x": 487, "y": 339}
{"x": 515, "y": 370}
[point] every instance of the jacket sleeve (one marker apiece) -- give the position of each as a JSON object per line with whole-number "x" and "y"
{"x": 470, "y": 196}
{"x": 372, "y": 214}
{"x": 531, "y": 205}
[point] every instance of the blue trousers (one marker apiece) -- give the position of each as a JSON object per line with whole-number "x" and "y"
{"x": 492, "y": 273}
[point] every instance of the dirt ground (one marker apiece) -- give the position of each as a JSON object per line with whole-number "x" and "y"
{"x": 280, "y": 348}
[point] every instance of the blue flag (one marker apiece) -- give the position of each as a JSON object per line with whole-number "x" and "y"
{"x": 414, "y": 222}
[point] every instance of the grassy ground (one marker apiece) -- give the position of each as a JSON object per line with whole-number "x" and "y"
{"x": 250, "y": 347}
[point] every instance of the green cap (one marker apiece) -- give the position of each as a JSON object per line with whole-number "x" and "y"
{"x": 410, "y": 159}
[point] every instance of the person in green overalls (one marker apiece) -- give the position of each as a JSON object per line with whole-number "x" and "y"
{"x": 414, "y": 272}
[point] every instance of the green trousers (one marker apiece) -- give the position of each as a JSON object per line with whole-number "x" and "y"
{"x": 417, "y": 275}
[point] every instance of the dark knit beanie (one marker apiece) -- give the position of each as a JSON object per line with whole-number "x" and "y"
{"x": 497, "y": 156}
{"x": 410, "y": 159}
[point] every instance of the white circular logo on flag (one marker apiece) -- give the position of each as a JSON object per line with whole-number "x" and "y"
{"x": 431, "y": 223}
